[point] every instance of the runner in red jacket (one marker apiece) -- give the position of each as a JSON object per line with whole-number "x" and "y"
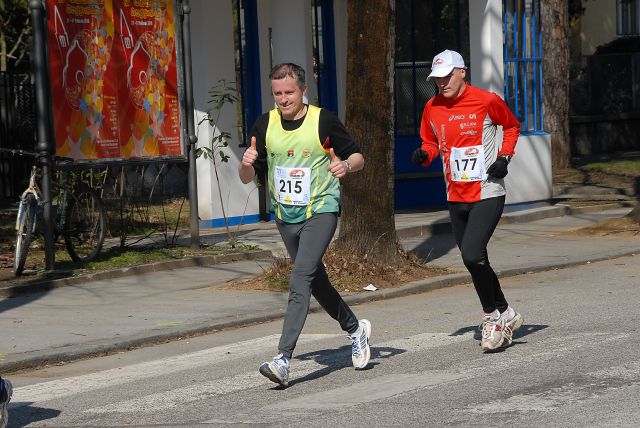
{"x": 461, "y": 123}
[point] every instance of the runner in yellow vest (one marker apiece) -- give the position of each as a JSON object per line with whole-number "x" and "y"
{"x": 304, "y": 151}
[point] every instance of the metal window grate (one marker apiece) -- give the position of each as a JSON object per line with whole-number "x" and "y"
{"x": 422, "y": 30}
{"x": 523, "y": 62}
{"x": 628, "y": 17}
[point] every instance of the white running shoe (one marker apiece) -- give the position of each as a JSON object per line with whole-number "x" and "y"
{"x": 493, "y": 330}
{"x": 6, "y": 389}
{"x": 277, "y": 370}
{"x": 360, "y": 351}
{"x": 512, "y": 322}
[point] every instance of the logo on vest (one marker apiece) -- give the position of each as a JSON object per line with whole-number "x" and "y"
{"x": 472, "y": 151}
{"x": 296, "y": 173}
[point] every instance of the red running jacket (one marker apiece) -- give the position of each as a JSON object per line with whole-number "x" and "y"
{"x": 464, "y": 131}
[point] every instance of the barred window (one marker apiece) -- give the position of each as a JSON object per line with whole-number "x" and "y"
{"x": 628, "y": 17}
{"x": 523, "y": 62}
{"x": 424, "y": 29}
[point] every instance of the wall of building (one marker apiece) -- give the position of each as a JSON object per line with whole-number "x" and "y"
{"x": 213, "y": 56}
{"x": 598, "y": 24}
{"x": 529, "y": 176}
{"x": 485, "y": 27}
{"x": 285, "y": 35}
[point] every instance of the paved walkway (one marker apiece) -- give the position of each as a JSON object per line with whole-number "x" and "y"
{"x": 90, "y": 316}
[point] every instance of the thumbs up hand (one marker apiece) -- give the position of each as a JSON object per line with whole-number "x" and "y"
{"x": 251, "y": 154}
{"x": 338, "y": 168}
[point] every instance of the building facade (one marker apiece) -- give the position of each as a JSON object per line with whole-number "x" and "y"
{"x": 240, "y": 40}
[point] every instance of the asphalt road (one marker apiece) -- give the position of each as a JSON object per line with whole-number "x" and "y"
{"x": 574, "y": 363}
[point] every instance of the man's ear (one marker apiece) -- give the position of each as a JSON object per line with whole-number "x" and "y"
{"x": 463, "y": 72}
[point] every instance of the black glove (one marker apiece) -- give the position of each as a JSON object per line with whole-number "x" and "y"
{"x": 498, "y": 169}
{"x": 419, "y": 156}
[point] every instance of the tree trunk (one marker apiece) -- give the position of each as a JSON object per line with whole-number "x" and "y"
{"x": 367, "y": 226}
{"x": 555, "y": 68}
{"x": 3, "y": 53}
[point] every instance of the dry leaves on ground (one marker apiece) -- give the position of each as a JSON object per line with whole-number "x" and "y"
{"x": 622, "y": 226}
{"x": 347, "y": 272}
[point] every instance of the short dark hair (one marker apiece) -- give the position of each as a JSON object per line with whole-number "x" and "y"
{"x": 289, "y": 69}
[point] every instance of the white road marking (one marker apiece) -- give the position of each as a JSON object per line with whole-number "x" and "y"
{"x": 180, "y": 396}
{"x": 367, "y": 391}
{"x": 107, "y": 378}
{"x": 385, "y": 387}
{"x": 602, "y": 381}
{"x": 378, "y": 388}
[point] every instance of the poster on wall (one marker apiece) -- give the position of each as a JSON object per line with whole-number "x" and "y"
{"x": 114, "y": 79}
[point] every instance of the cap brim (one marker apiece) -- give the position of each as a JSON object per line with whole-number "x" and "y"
{"x": 440, "y": 72}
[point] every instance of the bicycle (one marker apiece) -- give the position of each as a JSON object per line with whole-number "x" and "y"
{"x": 80, "y": 217}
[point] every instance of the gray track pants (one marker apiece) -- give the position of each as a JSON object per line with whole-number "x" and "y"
{"x": 306, "y": 243}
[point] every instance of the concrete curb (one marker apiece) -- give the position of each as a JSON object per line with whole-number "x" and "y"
{"x": 109, "y": 346}
{"x": 49, "y": 284}
{"x": 437, "y": 227}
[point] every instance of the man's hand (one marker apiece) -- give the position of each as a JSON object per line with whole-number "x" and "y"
{"x": 337, "y": 167}
{"x": 419, "y": 156}
{"x": 251, "y": 154}
{"x": 498, "y": 169}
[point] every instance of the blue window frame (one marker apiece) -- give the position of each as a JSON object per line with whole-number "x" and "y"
{"x": 324, "y": 57}
{"x": 523, "y": 63}
{"x": 247, "y": 63}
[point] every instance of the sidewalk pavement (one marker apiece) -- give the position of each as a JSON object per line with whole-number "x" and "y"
{"x": 71, "y": 319}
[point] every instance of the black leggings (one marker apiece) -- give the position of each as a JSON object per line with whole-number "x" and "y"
{"x": 473, "y": 224}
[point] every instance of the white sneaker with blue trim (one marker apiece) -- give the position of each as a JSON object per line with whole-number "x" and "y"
{"x": 360, "y": 351}
{"x": 277, "y": 370}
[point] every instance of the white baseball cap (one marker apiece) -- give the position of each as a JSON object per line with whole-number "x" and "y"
{"x": 445, "y": 62}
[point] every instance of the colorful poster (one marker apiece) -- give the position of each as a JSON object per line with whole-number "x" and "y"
{"x": 114, "y": 79}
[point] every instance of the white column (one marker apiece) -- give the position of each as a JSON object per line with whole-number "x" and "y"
{"x": 485, "y": 26}
{"x": 212, "y": 49}
{"x": 529, "y": 176}
{"x": 290, "y": 41}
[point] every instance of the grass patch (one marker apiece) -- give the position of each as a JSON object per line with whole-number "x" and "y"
{"x": 277, "y": 276}
{"x": 116, "y": 257}
{"x": 621, "y": 167}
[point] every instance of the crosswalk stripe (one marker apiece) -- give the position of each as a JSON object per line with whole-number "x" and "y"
{"x": 378, "y": 388}
{"x": 192, "y": 393}
{"x": 599, "y": 382}
{"x": 107, "y": 378}
{"x": 388, "y": 386}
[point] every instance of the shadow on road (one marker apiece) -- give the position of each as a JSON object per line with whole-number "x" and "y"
{"x": 21, "y": 415}
{"x": 338, "y": 359}
{"x": 523, "y": 331}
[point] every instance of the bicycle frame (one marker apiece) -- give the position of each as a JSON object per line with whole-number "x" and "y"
{"x": 83, "y": 230}
{"x": 35, "y": 191}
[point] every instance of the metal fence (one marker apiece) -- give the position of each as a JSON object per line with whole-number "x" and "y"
{"x": 17, "y": 131}
{"x": 606, "y": 84}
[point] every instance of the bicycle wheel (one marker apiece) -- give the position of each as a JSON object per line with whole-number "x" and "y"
{"x": 84, "y": 225}
{"x": 24, "y": 233}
